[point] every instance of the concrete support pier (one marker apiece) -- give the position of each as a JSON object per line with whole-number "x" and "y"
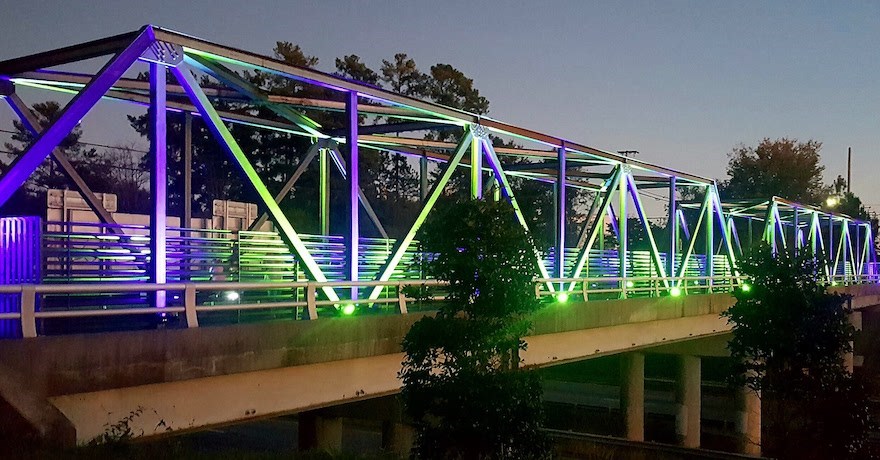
{"x": 687, "y": 399}
{"x": 850, "y": 360}
{"x": 397, "y": 438}
{"x": 319, "y": 432}
{"x": 632, "y": 395}
{"x": 748, "y": 422}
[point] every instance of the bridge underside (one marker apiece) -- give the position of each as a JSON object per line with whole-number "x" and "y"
{"x": 259, "y": 370}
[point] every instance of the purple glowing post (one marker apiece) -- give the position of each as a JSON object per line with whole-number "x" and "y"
{"x": 351, "y": 139}
{"x": 559, "y": 262}
{"x": 672, "y": 228}
{"x": 75, "y": 110}
{"x": 158, "y": 181}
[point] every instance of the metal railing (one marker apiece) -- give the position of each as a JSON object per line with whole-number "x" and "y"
{"x": 587, "y": 288}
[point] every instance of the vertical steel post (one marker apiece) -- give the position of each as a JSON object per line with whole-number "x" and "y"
{"x": 324, "y": 191}
{"x": 672, "y": 228}
{"x": 710, "y": 238}
{"x": 476, "y": 168}
{"x": 797, "y": 228}
{"x": 423, "y": 177}
{"x": 830, "y": 256}
{"x": 158, "y": 180}
{"x": 622, "y": 227}
{"x": 353, "y": 176}
{"x": 559, "y": 262}
{"x": 186, "y": 219}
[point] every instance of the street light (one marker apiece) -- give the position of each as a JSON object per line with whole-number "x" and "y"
{"x": 832, "y": 201}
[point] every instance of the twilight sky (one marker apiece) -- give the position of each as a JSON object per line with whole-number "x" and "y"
{"x": 682, "y": 82}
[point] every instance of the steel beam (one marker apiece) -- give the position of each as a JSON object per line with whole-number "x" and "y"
{"x": 227, "y": 141}
{"x": 186, "y": 220}
{"x": 234, "y": 81}
{"x": 597, "y": 228}
{"x": 507, "y": 193}
{"x": 402, "y": 244}
{"x": 476, "y": 168}
{"x": 560, "y": 218}
{"x": 353, "y": 181}
{"x": 655, "y": 253}
{"x": 32, "y": 124}
{"x": 340, "y": 163}
{"x": 69, "y": 54}
{"x": 622, "y": 238}
{"x": 71, "y": 115}
{"x": 158, "y": 182}
{"x": 291, "y": 181}
{"x": 672, "y": 227}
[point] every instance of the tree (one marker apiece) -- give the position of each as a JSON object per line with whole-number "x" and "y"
{"x": 782, "y": 167}
{"x": 462, "y": 385}
{"x": 352, "y": 68}
{"x": 789, "y": 338}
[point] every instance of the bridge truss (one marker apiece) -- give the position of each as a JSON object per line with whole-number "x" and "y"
{"x": 616, "y": 183}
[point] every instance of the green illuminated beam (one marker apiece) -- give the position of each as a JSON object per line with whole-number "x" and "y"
{"x": 225, "y": 138}
{"x": 597, "y": 226}
{"x": 655, "y": 254}
{"x": 231, "y": 79}
{"x": 693, "y": 240}
{"x": 507, "y": 191}
{"x": 324, "y": 191}
{"x": 403, "y": 244}
{"x": 726, "y": 233}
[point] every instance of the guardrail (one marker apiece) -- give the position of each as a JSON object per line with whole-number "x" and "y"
{"x": 560, "y": 288}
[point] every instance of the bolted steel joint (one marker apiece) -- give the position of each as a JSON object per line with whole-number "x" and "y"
{"x": 479, "y": 131}
{"x": 167, "y": 54}
{"x": 627, "y": 169}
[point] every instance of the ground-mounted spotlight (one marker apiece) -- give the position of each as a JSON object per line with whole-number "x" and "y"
{"x": 348, "y": 309}
{"x": 232, "y": 296}
{"x": 675, "y": 292}
{"x": 562, "y": 297}
{"x": 630, "y": 284}
{"x": 745, "y": 287}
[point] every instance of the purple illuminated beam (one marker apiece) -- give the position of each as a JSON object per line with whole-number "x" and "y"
{"x": 30, "y": 123}
{"x": 158, "y": 181}
{"x": 75, "y": 110}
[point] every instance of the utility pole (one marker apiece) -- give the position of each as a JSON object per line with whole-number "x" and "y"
{"x": 848, "y": 169}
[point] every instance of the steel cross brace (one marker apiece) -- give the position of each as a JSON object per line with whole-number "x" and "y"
{"x": 71, "y": 115}
{"x": 594, "y": 229}
{"x": 32, "y": 124}
{"x": 225, "y": 138}
{"x": 507, "y": 193}
{"x": 402, "y": 244}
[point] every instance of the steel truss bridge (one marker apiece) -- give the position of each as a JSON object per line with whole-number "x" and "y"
{"x": 52, "y": 270}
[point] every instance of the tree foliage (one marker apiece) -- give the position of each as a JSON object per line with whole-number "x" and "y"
{"x": 789, "y": 338}
{"x": 783, "y": 167}
{"x": 462, "y": 385}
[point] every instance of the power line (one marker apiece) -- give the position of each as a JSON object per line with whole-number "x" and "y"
{"x": 91, "y": 144}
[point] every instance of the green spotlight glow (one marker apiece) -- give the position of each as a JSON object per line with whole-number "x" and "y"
{"x": 348, "y": 309}
{"x": 562, "y": 297}
{"x": 745, "y": 287}
{"x": 834, "y": 283}
{"x": 630, "y": 284}
{"x": 675, "y": 292}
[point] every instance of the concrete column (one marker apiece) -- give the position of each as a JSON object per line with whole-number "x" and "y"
{"x": 849, "y": 359}
{"x": 319, "y": 432}
{"x": 632, "y": 395}
{"x": 687, "y": 399}
{"x": 397, "y": 438}
{"x": 748, "y": 421}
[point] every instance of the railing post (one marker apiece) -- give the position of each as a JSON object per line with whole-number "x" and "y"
{"x": 401, "y": 299}
{"x": 310, "y": 301}
{"x": 28, "y": 307}
{"x": 189, "y": 306}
